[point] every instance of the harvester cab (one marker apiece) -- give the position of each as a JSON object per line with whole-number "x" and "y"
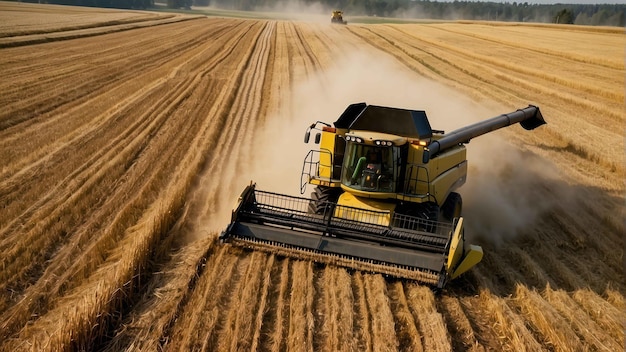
{"x": 384, "y": 197}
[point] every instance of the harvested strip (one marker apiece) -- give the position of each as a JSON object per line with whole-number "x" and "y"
{"x": 556, "y": 334}
{"x": 462, "y": 334}
{"x": 382, "y": 327}
{"x": 363, "y": 318}
{"x": 616, "y": 299}
{"x": 300, "y": 308}
{"x": 431, "y": 324}
{"x": 263, "y": 303}
{"x": 588, "y": 330}
{"x": 236, "y": 333}
{"x": 31, "y": 39}
{"x": 409, "y": 338}
{"x": 607, "y": 316}
{"x": 506, "y": 326}
{"x": 186, "y": 329}
{"x": 334, "y": 316}
{"x": 277, "y": 340}
{"x": 150, "y": 322}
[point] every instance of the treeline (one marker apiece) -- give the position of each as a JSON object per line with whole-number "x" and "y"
{"x": 595, "y": 15}
{"x": 117, "y": 4}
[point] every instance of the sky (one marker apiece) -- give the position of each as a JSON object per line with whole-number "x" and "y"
{"x": 621, "y": 2}
{"x": 577, "y": 2}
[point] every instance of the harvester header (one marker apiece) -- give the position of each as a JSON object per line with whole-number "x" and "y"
{"x": 384, "y": 200}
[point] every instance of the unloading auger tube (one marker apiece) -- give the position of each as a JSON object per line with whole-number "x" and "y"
{"x": 529, "y": 118}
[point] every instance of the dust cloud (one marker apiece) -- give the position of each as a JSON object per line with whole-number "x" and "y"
{"x": 499, "y": 198}
{"x": 299, "y": 10}
{"x": 506, "y": 189}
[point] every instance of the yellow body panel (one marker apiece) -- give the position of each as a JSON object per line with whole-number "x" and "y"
{"x": 439, "y": 176}
{"x": 456, "y": 246}
{"x": 383, "y": 210}
{"x": 327, "y": 147}
{"x": 459, "y": 261}
{"x": 324, "y": 182}
{"x": 448, "y": 181}
{"x": 472, "y": 257}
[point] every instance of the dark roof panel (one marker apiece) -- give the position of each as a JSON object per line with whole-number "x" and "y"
{"x": 400, "y": 122}
{"x": 349, "y": 115}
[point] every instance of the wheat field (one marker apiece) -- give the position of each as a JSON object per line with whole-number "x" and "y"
{"x": 126, "y": 137}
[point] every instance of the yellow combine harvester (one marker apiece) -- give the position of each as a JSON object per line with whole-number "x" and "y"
{"x": 337, "y": 17}
{"x": 384, "y": 198}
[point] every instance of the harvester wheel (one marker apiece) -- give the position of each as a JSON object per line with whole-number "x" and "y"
{"x": 321, "y": 196}
{"x": 452, "y": 207}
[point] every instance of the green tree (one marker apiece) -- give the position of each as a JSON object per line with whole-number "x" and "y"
{"x": 616, "y": 20}
{"x": 177, "y": 4}
{"x": 565, "y": 16}
{"x": 582, "y": 19}
{"x": 599, "y": 18}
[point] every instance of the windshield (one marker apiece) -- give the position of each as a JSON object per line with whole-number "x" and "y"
{"x": 369, "y": 168}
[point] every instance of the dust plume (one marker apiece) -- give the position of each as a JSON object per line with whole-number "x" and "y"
{"x": 507, "y": 189}
{"x": 499, "y": 197}
{"x": 299, "y": 10}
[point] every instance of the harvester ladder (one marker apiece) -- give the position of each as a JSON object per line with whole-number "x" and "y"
{"x": 311, "y": 167}
{"x": 416, "y": 184}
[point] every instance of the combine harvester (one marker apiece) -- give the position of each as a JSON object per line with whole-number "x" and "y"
{"x": 384, "y": 198}
{"x": 337, "y": 17}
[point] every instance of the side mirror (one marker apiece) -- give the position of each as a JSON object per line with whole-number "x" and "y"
{"x": 307, "y": 135}
{"x": 426, "y": 156}
{"x": 318, "y": 137}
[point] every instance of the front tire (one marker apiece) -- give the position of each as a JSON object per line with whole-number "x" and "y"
{"x": 321, "y": 197}
{"x": 452, "y": 207}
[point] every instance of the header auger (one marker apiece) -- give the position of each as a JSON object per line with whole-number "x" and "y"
{"x": 384, "y": 198}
